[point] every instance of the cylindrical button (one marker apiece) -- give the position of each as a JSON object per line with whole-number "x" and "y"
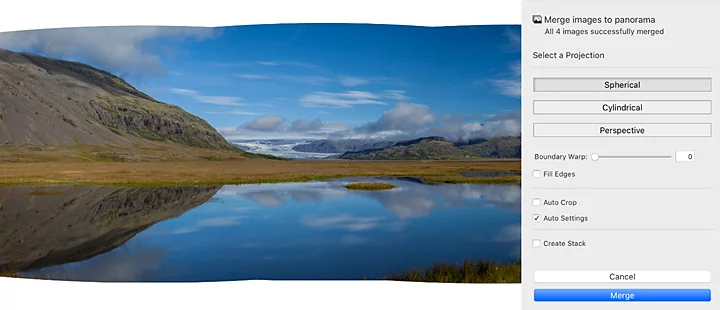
{"x": 611, "y": 107}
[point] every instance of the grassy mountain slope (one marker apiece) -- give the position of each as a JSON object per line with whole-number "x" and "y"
{"x": 49, "y": 102}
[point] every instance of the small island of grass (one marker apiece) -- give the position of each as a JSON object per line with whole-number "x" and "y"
{"x": 369, "y": 186}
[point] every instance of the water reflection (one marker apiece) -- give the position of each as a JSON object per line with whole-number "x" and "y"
{"x": 44, "y": 226}
{"x": 312, "y": 230}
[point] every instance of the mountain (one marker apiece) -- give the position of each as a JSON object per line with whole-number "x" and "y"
{"x": 340, "y": 146}
{"x": 50, "y": 102}
{"x": 421, "y": 148}
{"x": 45, "y": 226}
{"x": 499, "y": 147}
{"x": 428, "y": 148}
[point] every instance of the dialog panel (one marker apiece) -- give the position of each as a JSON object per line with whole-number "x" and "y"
{"x": 620, "y": 176}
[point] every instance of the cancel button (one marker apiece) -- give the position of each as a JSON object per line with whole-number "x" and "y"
{"x": 622, "y": 277}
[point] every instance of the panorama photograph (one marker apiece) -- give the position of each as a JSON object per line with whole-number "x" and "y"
{"x": 263, "y": 152}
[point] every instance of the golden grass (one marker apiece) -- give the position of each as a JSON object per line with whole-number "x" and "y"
{"x": 153, "y": 152}
{"x": 467, "y": 272}
{"x": 369, "y": 186}
{"x": 458, "y": 179}
{"x": 239, "y": 172}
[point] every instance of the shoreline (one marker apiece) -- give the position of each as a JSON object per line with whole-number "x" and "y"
{"x": 246, "y": 172}
{"x": 467, "y": 271}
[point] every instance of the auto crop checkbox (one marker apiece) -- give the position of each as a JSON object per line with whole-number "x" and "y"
{"x": 536, "y": 174}
{"x": 537, "y": 217}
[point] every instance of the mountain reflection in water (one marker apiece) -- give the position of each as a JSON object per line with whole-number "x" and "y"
{"x": 311, "y": 230}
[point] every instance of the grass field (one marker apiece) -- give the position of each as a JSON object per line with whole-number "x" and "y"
{"x": 467, "y": 272}
{"x": 242, "y": 172}
{"x": 153, "y": 152}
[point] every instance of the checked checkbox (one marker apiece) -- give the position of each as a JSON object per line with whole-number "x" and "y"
{"x": 537, "y": 218}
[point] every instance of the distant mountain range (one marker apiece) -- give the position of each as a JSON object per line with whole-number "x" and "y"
{"x": 422, "y": 148}
{"x": 341, "y": 146}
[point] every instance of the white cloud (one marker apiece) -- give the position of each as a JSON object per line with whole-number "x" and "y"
{"x": 220, "y": 100}
{"x": 269, "y": 63}
{"x": 353, "y": 81}
{"x": 240, "y": 133}
{"x": 252, "y": 76}
{"x": 287, "y": 63}
{"x": 410, "y": 121}
{"x": 404, "y": 116}
{"x": 342, "y": 222}
{"x": 233, "y": 112}
{"x": 184, "y": 92}
{"x": 211, "y": 222}
{"x": 488, "y": 126}
{"x": 513, "y": 36}
{"x": 317, "y": 126}
{"x": 405, "y": 204}
{"x": 267, "y": 198}
{"x": 516, "y": 69}
{"x": 120, "y": 49}
{"x": 513, "y": 44}
{"x": 340, "y": 100}
{"x": 217, "y": 100}
{"x": 220, "y": 221}
{"x": 304, "y": 125}
{"x": 510, "y": 86}
{"x": 396, "y": 95}
{"x": 265, "y": 123}
{"x": 312, "y": 80}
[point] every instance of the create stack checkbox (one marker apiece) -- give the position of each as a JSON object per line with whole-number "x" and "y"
{"x": 536, "y": 173}
{"x": 536, "y": 243}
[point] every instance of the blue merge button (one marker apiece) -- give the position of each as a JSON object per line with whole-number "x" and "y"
{"x": 622, "y": 295}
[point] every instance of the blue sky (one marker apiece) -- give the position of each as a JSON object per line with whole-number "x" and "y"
{"x": 313, "y": 80}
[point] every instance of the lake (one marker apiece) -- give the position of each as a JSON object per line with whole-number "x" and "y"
{"x": 295, "y": 231}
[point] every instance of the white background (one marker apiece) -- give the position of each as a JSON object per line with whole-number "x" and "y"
{"x": 43, "y": 294}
